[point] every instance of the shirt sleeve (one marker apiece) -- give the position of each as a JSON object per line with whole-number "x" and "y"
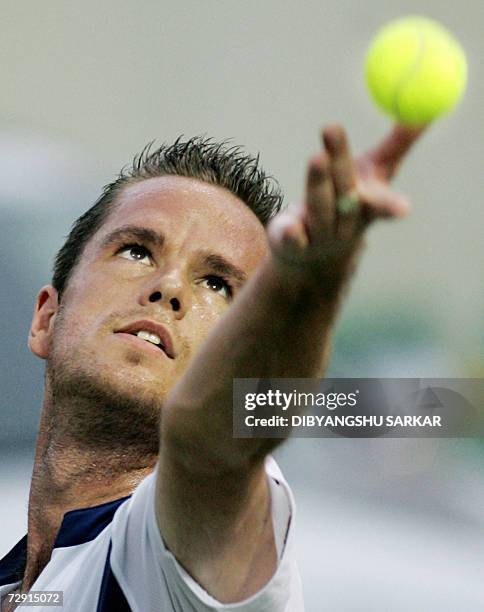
{"x": 152, "y": 579}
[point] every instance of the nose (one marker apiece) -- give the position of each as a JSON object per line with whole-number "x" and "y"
{"x": 168, "y": 289}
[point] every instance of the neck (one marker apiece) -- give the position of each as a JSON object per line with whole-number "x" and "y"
{"x": 68, "y": 475}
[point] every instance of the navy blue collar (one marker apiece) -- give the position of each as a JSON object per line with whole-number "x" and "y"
{"x": 78, "y": 527}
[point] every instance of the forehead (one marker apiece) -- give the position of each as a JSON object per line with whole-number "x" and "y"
{"x": 191, "y": 213}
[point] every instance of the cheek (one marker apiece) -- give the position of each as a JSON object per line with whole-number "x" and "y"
{"x": 204, "y": 314}
{"x": 83, "y": 316}
{"x": 89, "y": 297}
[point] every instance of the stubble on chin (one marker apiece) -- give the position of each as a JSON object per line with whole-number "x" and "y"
{"x": 99, "y": 407}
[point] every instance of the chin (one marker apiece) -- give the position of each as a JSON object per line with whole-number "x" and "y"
{"x": 105, "y": 407}
{"x": 110, "y": 375}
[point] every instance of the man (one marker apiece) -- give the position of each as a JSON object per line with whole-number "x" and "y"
{"x": 167, "y": 289}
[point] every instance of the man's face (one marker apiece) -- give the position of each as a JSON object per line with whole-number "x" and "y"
{"x": 168, "y": 261}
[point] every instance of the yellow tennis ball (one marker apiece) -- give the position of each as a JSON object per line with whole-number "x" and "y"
{"x": 415, "y": 70}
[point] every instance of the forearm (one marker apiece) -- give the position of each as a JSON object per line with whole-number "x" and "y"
{"x": 278, "y": 326}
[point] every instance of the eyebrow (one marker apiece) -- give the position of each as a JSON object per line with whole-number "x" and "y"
{"x": 216, "y": 262}
{"x": 133, "y": 232}
{"x": 220, "y": 265}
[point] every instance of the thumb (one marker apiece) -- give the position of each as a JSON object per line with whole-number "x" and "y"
{"x": 380, "y": 201}
{"x": 389, "y": 154}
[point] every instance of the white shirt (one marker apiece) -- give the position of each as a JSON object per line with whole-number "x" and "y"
{"x": 112, "y": 557}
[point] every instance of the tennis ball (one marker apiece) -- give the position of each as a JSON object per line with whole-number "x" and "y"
{"x": 415, "y": 70}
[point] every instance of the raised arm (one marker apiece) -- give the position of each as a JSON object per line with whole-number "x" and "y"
{"x": 213, "y": 506}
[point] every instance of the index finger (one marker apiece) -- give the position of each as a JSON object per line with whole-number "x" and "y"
{"x": 388, "y": 155}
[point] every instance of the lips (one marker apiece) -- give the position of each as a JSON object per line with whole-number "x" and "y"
{"x": 166, "y": 342}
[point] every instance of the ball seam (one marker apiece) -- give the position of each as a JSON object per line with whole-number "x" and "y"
{"x": 409, "y": 74}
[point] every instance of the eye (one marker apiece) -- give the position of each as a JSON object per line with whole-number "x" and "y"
{"x": 217, "y": 284}
{"x": 135, "y": 252}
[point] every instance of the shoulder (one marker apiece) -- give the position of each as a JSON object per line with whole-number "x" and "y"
{"x": 147, "y": 571}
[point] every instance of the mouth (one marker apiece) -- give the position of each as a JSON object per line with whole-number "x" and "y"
{"x": 149, "y": 335}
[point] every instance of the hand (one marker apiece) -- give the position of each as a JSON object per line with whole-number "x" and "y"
{"x": 321, "y": 236}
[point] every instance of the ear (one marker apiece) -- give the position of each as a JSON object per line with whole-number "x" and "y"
{"x": 45, "y": 311}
